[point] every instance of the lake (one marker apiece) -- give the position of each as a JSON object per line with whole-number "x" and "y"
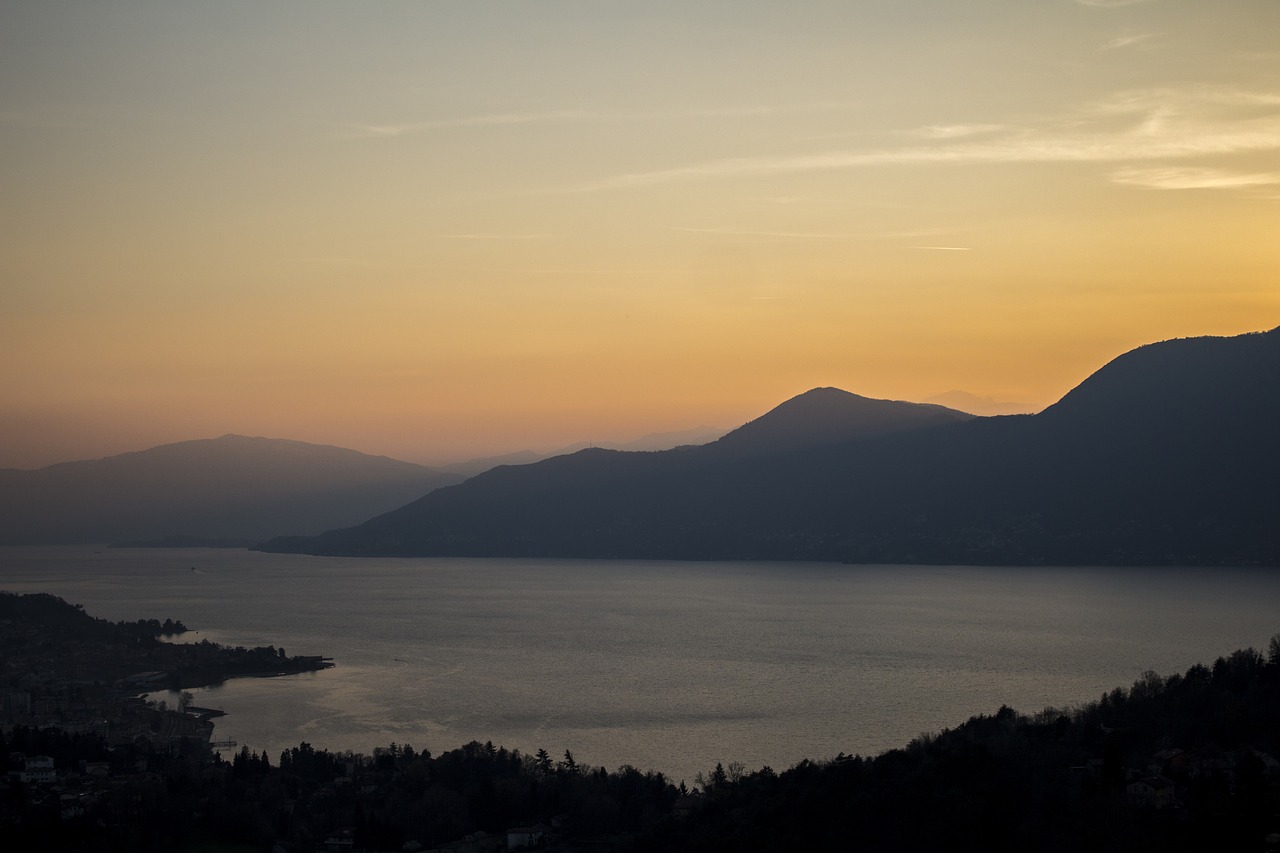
{"x": 660, "y": 665}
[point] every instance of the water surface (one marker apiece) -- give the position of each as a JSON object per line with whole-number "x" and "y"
{"x": 661, "y": 665}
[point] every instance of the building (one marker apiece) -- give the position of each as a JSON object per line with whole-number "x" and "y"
{"x": 1151, "y": 792}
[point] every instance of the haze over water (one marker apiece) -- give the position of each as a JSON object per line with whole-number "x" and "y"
{"x": 665, "y": 666}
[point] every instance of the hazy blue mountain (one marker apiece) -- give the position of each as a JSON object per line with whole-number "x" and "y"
{"x": 670, "y": 440}
{"x": 653, "y": 441}
{"x": 228, "y": 488}
{"x": 1167, "y": 455}
{"x": 978, "y": 405}
{"x": 471, "y": 467}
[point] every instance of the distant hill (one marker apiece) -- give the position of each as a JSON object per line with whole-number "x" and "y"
{"x": 653, "y": 441}
{"x": 976, "y": 405}
{"x": 669, "y": 440}
{"x": 471, "y": 467}
{"x": 228, "y": 488}
{"x": 1167, "y": 455}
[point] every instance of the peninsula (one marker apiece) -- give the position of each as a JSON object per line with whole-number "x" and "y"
{"x": 61, "y": 667}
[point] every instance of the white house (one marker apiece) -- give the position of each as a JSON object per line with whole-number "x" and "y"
{"x": 524, "y": 837}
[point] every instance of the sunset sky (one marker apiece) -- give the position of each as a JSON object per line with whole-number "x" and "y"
{"x": 437, "y": 230}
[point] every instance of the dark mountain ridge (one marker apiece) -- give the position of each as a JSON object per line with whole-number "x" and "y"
{"x": 824, "y": 416}
{"x": 1166, "y": 455}
{"x": 232, "y": 487}
{"x": 612, "y": 503}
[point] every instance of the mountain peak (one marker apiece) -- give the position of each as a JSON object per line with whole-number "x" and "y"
{"x": 826, "y": 415}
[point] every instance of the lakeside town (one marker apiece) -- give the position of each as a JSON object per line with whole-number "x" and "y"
{"x": 65, "y": 669}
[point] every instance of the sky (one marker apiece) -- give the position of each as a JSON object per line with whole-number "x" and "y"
{"x": 437, "y": 230}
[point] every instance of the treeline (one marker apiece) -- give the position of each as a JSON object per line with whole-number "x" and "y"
{"x": 49, "y": 612}
{"x": 1052, "y": 781}
{"x": 155, "y": 627}
{"x": 185, "y": 798}
{"x": 398, "y": 795}
{"x": 204, "y": 663}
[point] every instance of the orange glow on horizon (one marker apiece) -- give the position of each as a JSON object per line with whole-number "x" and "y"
{"x": 436, "y": 233}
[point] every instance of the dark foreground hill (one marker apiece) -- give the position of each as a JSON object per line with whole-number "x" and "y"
{"x": 1185, "y": 762}
{"x": 1167, "y": 455}
{"x": 228, "y": 488}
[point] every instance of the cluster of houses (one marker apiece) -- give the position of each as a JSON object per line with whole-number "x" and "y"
{"x": 92, "y": 688}
{"x": 112, "y": 712}
{"x": 67, "y": 794}
{"x": 1158, "y": 786}
{"x": 537, "y": 837}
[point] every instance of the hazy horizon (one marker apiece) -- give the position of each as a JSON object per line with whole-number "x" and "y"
{"x": 451, "y": 230}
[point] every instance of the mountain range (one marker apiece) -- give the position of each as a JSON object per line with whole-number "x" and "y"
{"x": 1166, "y": 455}
{"x": 232, "y": 491}
{"x": 229, "y": 490}
{"x": 653, "y": 441}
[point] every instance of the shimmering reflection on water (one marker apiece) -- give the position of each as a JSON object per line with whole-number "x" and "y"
{"x": 670, "y": 666}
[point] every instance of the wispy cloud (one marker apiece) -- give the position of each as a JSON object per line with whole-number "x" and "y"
{"x": 1111, "y": 3}
{"x": 1190, "y": 178}
{"x": 395, "y": 129}
{"x": 1188, "y": 99}
{"x": 1138, "y": 126}
{"x": 378, "y": 263}
{"x": 1121, "y": 42}
{"x": 955, "y": 131}
{"x": 489, "y": 119}
{"x": 780, "y": 235}
{"x": 914, "y": 233}
{"x": 496, "y": 235}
